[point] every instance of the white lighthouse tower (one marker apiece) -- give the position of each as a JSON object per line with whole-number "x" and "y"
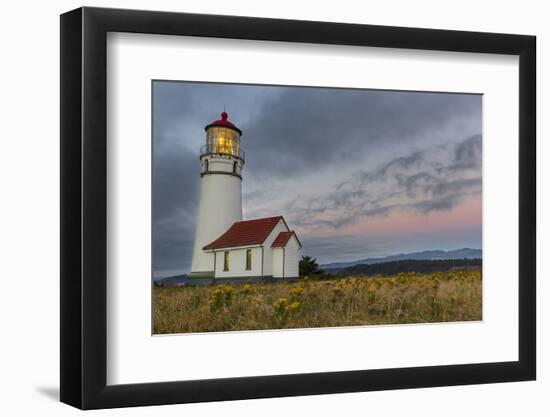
{"x": 220, "y": 204}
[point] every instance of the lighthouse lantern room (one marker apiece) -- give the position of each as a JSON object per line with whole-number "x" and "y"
{"x": 223, "y": 137}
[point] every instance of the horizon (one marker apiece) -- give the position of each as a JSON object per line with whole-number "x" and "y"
{"x": 322, "y": 264}
{"x": 357, "y": 173}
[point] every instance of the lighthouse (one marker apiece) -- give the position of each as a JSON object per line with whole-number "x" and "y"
{"x": 220, "y": 203}
{"x": 228, "y": 248}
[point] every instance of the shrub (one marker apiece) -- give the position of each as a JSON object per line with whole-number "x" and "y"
{"x": 296, "y": 293}
{"x": 221, "y": 297}
{"x": 279, "y": 308}
{"x": 248, "y": 289}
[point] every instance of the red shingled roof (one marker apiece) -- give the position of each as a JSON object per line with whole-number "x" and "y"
{"x": 244, "y": 233}
{"x": 282, "y": 239}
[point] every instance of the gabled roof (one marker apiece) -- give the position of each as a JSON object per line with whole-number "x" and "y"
{"x": 282, "y": 239}
{"x": 245, "y": 233}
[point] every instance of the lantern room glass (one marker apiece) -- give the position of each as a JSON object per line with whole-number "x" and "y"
{"x": 223, "y": 140}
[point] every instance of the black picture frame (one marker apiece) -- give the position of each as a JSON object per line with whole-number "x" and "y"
{"x": 84, "y": 207}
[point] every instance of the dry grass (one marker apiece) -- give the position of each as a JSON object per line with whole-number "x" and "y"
{"x": 350, "y": 301}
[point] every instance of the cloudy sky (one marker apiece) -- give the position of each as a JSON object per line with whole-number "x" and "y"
{"x": 357, "y": 173}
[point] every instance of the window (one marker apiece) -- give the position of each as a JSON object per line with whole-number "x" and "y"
{"x": 235, "y": 167}
{"x": 248, "y": 259}
{"x": 223, "y": 140}
{"x": 206, "y": 165}
{"x": 226, "y": 261}
{"x": 224, "y": 145}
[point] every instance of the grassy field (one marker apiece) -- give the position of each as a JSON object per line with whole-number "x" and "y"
{"x": 348, "y": 301}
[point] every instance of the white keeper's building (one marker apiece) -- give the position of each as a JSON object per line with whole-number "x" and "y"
{"x": 226, "y": 246}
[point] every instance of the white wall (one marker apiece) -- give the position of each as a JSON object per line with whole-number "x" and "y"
{"x": 237, "y": 263}
{"x": 268, "y": 253}
{"x": 30, "y": 312}
{"x": 220, "y": 206}
{"x": 222, "y": 163}
{"x": 286, "y": 260}
{"x": 277, "y": 262}
{"x": 292, "y": 258}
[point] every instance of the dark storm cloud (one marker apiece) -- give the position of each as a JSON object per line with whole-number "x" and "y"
{"x": 175, "y": 201}
{"x": 291, "y": 135}
{"x": 175, "y": 185}
{"x": 468, "y": 153}
{"x": 313, "y": 127}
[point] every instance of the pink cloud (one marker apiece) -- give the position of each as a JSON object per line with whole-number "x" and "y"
{"x": 466, "y": 214}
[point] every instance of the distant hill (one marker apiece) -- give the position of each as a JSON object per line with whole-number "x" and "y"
{"x": 175, "y": 281}
{"x": 464, "y": 253}
{"x": 424, "y": 266}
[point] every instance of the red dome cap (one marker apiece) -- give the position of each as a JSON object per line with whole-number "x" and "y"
{"x": 223, "y": 122}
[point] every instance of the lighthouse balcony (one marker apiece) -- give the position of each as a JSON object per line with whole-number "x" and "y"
{"x": 222, "y": 149}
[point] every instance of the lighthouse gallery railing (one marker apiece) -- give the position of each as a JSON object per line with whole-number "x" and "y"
{"x": 222, "y": 150}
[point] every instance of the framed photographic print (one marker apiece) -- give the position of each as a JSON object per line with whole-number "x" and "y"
{"x": 257, "y": 208}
